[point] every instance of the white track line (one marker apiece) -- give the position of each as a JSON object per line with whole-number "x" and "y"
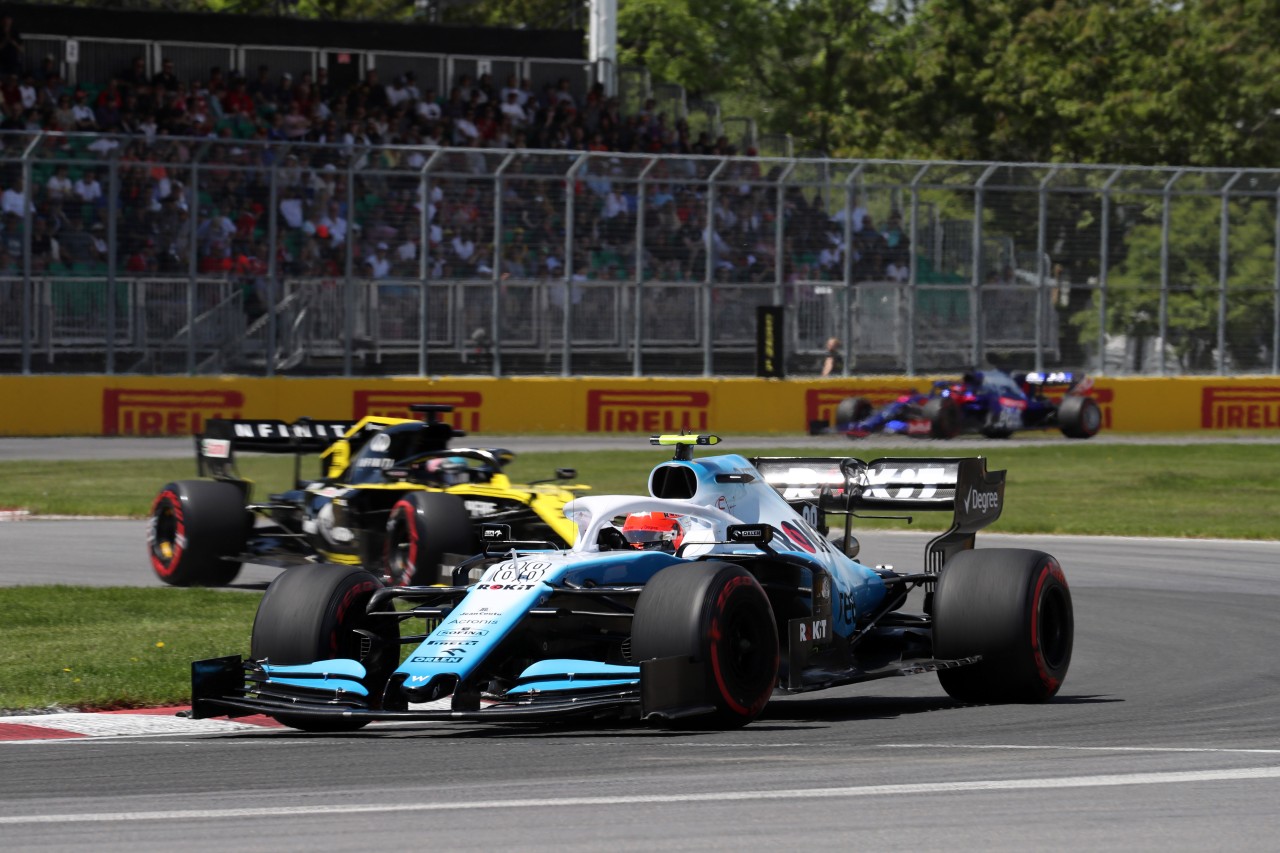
{"x": 1099, "y": 781}
{"x": 1211, "y": 749}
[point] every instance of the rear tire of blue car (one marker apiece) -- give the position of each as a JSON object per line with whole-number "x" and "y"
{"x": 312, "y": 613}
{"x": 852, "y": 410}
{"x": 196, "y": 529}
{"x": 1079, "y": 417}
{"x": 718, "y": 616}
{"x": 943, "y": 415}
{"x": 422, "y": 528}
{"x": 1013, "y": 607}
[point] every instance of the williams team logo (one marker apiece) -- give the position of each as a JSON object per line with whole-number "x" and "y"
{"x": 1223, "y": 407}
{"x": 647, "y": 411}
{"x": 144, "y": 411}
{"x": 395, "y": 404}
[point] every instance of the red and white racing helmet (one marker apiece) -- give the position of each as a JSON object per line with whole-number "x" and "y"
{"x": 653, "y": 531}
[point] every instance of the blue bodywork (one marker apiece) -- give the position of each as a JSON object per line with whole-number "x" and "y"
{"x": 991, "y": 402}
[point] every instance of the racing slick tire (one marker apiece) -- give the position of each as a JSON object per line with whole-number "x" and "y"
{"x": 851, "y": 410}
{"x": 422, "y": 528}
{"x": 717, "y": 615}
{"x": 1079, "y": 417}
{"x": 1013, "y": 607}
{"x": 196, "y": 527}
{"x": 943, "y": 415}
{"x": 312, "y": 613}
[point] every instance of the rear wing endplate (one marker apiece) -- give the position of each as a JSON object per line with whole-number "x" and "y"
{"x": 961, "y": 485}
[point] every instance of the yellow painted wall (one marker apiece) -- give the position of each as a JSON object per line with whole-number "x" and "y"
{"x": 130, "y": 405}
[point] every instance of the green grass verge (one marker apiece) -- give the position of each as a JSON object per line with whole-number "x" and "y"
{"x": 111, "y": 648}
{"x": 1197, "y": 490}
{"x": 96, "y": 648}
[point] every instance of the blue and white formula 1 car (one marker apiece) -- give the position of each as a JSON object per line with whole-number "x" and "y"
{"x": 734, "y": 594}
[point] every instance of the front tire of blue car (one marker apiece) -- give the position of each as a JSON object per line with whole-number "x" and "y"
{"x": 312, "y": 613}
{"x": 718, "y": 616}
{"x": 852, "y": 410}
{"x": 944, "y": 416}
{"x": 1013, "y": 607}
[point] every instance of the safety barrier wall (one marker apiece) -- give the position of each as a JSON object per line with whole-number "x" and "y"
{"x": 128, "y": 405}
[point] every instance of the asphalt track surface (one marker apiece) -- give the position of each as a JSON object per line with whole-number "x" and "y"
{"x": 1166, "y": 736}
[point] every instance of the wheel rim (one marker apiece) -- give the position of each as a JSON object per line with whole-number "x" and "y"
{"x": 744, "y": 649}
{"x": 1053, "y": 636}
{"x": 1092, "y": 419}
{"x": 166, "y": 535}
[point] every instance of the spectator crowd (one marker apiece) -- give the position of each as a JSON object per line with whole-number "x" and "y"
{"x": 202, "y": 164}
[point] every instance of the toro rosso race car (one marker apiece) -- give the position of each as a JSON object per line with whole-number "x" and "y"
{"x": 726, "y": 593}
{"x": 391, "y": 496}
{"x": 990, "y": 402}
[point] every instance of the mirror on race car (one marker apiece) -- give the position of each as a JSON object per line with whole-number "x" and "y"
{"x": 855, "y": 477}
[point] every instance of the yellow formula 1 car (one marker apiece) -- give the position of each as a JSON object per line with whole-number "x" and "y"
{"x": 392, "y": 496}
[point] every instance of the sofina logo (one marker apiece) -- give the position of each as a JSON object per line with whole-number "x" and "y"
{"x": 820, "y": 403}
{"x": 1223, "y": 407}
{"x": 395, "y": 404}
{"x": 647, "y": 411}
{"x": 143, "y": 411}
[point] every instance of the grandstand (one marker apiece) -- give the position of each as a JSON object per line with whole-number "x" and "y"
{"x": 183, "y": 197}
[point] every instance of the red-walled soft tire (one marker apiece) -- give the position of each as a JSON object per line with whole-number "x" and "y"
{"x": 717, "y": 615}
{"x": 422, "y": 528}
{"x": 1012, "y": 607}
{"x": 312, "y": 613}
{"x": 196, "y": 529}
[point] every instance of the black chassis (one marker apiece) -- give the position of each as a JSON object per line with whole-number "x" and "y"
{"x": 279, "y": 539}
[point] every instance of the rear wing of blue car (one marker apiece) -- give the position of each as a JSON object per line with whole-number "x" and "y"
{"x": 892, "y": 485}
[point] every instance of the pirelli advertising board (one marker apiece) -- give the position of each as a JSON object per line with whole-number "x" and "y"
{"x": 169, "y": 406}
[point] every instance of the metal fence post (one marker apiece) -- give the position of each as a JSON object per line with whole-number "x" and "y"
{"x": 1104, "y": 266}
{"x": 913, "y": 272}
{"x": 637, "y": 334}
{"x": 28, "y": 294}
{"x": 193, "y": 266}
{"x": 709, "y": 270}
{"x": 1166, "y": 217}
{"x": 113, "y": 259}
{"x": 1224, "y": 267}
{"x": 566, "y": 345}
{"x": 779, "y": 235}
{"x": 1275, "y": 298}
{"x": 847, "y": 266}
{"x": 348, "y": 284}
{"x": 1042, "y": 228}
{"x": 273, "y": 291}
{"x": 495, "y": 320}
{"x": 975, "y": 308}
{"x": 424, "y": 265}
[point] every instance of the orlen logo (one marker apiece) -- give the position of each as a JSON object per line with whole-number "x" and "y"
{"x": 647, "y": 411}
{"x": 820, "y": 403}
{"x": 1240, "y": 408}
{"x": 395, "y": 404}
{"x": 143, "y": 411}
